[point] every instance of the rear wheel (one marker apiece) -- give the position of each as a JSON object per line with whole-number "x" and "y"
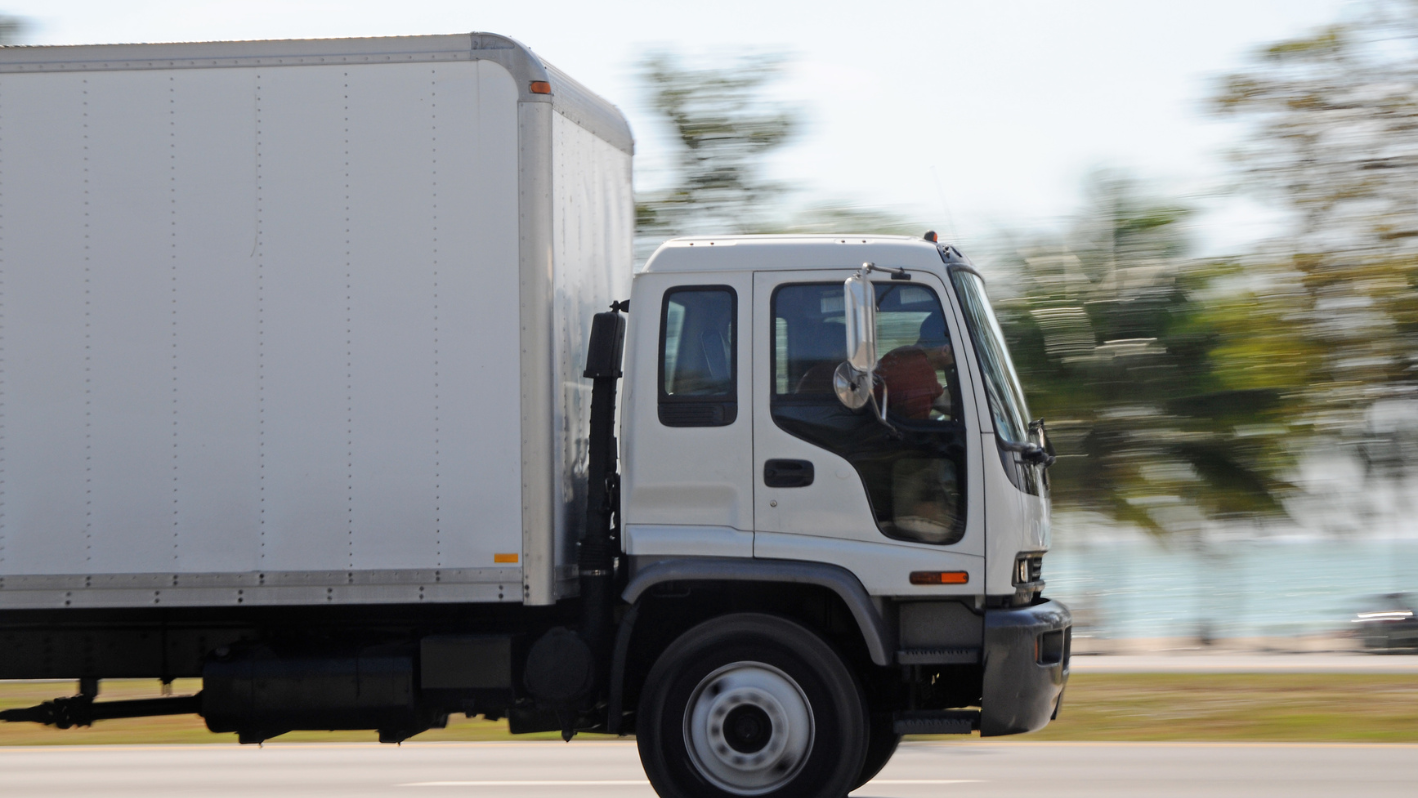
{"x": 751, "y": 705}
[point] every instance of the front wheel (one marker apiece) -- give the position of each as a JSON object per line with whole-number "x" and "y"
{"x": 882, "y": 741}
{"x": 751, "y": 705}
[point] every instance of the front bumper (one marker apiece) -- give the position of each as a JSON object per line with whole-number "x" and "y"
{"x": 1025, "y": 656}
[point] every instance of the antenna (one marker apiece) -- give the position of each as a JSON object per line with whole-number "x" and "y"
{"x": 944, "y": 206}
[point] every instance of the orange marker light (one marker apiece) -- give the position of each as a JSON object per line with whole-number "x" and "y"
{"x": 504, "y": 557}
{"x": 541, "y": 87}
{"x": 940, "y": 578}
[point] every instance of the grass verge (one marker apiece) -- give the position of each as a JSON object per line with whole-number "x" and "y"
{"x": 1286, "y": 707}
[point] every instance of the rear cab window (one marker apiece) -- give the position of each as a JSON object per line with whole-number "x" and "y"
{"x": 698, "y": 375}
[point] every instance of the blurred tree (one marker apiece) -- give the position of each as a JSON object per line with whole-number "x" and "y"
{"x": 1166, "y": 381}
{"x": 832, "y": 219}
{"x": 12, "y": 29}
{"x": 724, "y": 127}
{"x": 1334, "y": 136}
{"x": 724, "y": 130}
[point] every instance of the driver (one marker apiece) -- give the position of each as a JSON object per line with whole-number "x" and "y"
{"x": 910, "y": 372}
{"x": 924, "y": 490}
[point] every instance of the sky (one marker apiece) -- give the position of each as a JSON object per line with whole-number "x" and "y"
{"x": 978, "y": 118}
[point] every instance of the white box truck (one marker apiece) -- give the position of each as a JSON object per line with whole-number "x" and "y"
{"x": 309, "y": 356}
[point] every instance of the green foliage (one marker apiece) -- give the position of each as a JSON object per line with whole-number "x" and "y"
{"x": 1333, "y": 121}
{"x": 724, "y": 129}
{"x": 1181, "y": 389}
{"x": 1163, "y": 402}
{"x": 1233, "y": 707}
{"x": 12, "y": 29}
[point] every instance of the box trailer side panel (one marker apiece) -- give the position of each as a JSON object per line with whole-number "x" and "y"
{"x": 593, "y": 246}
{"x": 257, "y": 334}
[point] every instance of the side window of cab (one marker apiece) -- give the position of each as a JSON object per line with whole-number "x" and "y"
{"x": 698, "y": 377}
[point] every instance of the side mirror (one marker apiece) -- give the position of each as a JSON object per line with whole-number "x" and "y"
{"x": 853, "y": 379}
{"x": 859, "y": 301}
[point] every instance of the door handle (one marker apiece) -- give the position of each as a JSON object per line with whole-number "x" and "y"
{"x": 787, "y": 473}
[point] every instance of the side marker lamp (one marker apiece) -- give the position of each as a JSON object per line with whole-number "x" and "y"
{"x": 940, "y": 578}
{"x": 541, "y": 87}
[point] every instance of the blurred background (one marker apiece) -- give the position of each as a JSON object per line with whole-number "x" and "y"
{"x": 1199, "y": 223}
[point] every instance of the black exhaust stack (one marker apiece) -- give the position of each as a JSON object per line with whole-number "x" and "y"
{"x": 601, "y": 542}
{"x": 562, "y": 670}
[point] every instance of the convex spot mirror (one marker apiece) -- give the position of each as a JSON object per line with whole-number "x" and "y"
{"x": 852, "y": 380}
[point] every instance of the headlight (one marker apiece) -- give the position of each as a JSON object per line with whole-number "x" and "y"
{"x": 1028, "y": 568}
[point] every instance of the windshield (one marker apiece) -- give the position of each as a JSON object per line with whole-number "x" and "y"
{"x": 1011, "y": 414}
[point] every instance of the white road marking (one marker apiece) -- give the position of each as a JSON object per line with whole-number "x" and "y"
{"x": 924, "y": 781}
{"x": 641, "y": 783}
{"x": 596, "y": 783}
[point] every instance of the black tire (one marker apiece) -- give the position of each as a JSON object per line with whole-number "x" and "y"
{"x": 738, "y": 681}
{"x": 881, "y": 745}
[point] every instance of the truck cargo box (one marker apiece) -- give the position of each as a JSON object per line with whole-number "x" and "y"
{"x": 299, "y": 322}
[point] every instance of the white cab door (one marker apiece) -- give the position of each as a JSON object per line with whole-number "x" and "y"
{"x": 687, "y": 487}
{"x": 880, "y": 505}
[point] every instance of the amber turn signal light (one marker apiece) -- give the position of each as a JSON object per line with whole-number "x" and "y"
{"x": 541, "y": 87}
{"x": 939, "y": 578}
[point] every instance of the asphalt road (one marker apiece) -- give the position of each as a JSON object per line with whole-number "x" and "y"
{"x": 590, "y": 768}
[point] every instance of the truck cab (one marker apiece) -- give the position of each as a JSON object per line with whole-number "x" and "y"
{"x": 736, "y": 444}
{"x": 920, "y": 517}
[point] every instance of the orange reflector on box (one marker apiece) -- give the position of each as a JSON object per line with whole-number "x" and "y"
{"x": 541, "y": 87}
{"x": 940, "y": 578}
{"x": 504, "y": 557}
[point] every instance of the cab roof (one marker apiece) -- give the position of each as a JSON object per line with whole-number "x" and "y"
{"x": 794, "y": 252}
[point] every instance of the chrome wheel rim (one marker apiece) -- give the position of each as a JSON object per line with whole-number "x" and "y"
{"x": 748, "y": 728}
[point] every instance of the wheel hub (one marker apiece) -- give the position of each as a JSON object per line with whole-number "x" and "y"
{"x": 748, "y": 728}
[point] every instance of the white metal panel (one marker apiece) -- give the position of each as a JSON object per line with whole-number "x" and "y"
{"x": 1007, "y": 519}
{"x": 792, "y": 252}
{"x": 534, "y": 377}
{"x": 393, "y": 225}
{"x": 131, "y": 303}
{"x": 479, "y": 457}
{"x": 645, "y": 540}
{"x": 303, "y": 250}
{"x": 366, "y": 370}
{"x": 44, "y": 397}
{"x": 217, "y": 409}
{"x": 252, "y": 320}
{"x": 264, "y": 588}
{"x": 884, "y": 567}
{"x": 972, "y": 396}
{"x": 693, "y": 476}
{"x": 836, "y": 504}
{"x": 593, "y": 213}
